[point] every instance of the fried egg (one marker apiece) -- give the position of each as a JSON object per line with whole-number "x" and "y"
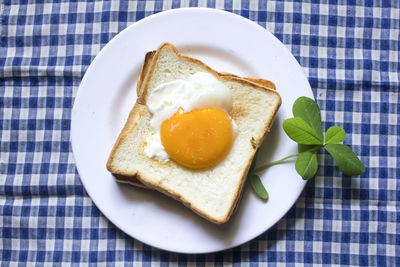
{"x": 190, "y": 123}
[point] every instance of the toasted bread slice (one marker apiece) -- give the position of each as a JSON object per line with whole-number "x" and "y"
{"x": 212, "y": 192}
{"x": 132, "y": 180}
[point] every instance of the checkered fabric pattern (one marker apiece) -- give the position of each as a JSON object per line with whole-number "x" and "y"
{"x": 349, "y": 50}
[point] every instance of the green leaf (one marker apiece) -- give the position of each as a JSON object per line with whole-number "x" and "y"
{"x": 258, "y": 187}
{"x": 307, "y": 164}
{"x": 346, "y": 159}
{"x": 307, "y": 109}
{"x": 335, "y": 134}
{"x": 312, "y": 148}
{"x": 299, "y": 131}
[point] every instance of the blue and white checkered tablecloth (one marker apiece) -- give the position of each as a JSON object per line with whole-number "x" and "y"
{"x": 349, "y": 50}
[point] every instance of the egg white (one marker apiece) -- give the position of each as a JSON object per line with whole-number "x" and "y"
{"x": 200, "y": 90}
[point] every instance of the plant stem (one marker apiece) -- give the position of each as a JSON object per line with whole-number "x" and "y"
{"x": 263, "y": 167}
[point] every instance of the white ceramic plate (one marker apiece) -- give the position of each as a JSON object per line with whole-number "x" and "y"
{"x": 226, "y": 42}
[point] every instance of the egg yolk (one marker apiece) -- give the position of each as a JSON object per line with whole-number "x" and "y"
{"x": 199, "y": 138}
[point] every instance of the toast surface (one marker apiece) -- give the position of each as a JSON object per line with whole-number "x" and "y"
{"x": 132, "y": 180}
{"x": 212, "y": 192}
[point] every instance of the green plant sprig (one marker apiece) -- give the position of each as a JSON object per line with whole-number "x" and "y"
{"x": 305, "y": 129}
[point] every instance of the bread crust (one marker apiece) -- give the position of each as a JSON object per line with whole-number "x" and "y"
{"x": 257, "y": 81}
{"x": 139, "y": 108}
{"x": 148, "y": 60}
{"x": 133, "y": 119}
